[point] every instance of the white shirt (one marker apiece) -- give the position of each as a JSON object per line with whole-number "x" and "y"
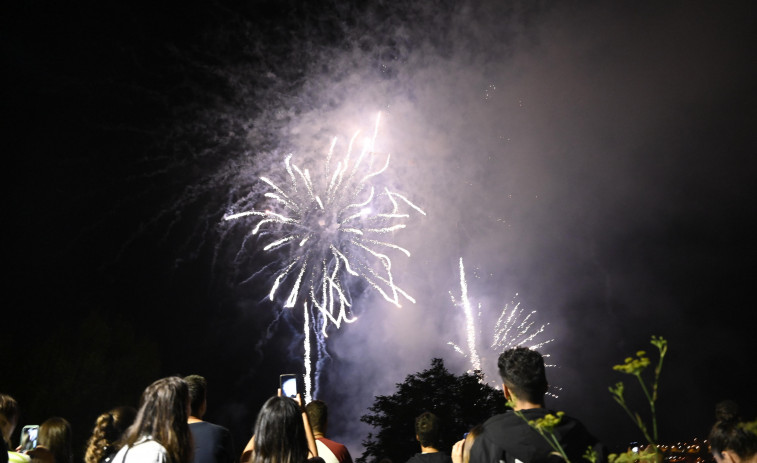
{"x": 325, "y": 452}
{"x": 145, "y": 451}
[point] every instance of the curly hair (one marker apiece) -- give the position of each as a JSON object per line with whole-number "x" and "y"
{"x": 522, "y": 371}
{"x": 109, "y": 427}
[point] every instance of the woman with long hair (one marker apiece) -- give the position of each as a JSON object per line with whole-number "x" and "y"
{"x": 109, "y": 427}
{"x": 282, "y": 434}
{"x": 55, "y": 436}
{"x": 160, "y": 432}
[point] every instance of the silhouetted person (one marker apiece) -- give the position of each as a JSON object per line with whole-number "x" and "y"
{"x": 330, "y": 451}
{"x": 428, "y": 433}
{"x": 213, "y": 443}
{"x": 730, "y": 440}
{"x": 508, "y": 438}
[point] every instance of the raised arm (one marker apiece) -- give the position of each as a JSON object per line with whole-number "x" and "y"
{"x": 308, "y": 430}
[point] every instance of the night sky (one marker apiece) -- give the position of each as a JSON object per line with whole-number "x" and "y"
{"x": 594, "y": 161}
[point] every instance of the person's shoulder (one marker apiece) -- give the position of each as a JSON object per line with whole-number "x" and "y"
{"x": 150, "y": 444}
{"x": 119, "y": 456}
{"x": 208, "y": 427}
{"x": 575, "y": 435}
{"x": 501, "y": 420}
{"x": 434, "y": 457}
{"x": 570, "y": 423}
{"x": 146, "y": 450}
{"x": 497, "y": 431}
{"x": 339, "y": 451}
{"x": 143, "y": 451}
{"x": 437, "y": 457}
{"x": 17, "y": 457}
{"x": 220, "y": 429}
{"x": 330, "y": 443}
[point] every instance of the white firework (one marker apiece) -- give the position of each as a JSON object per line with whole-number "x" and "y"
{"x": 330, "y": 229}
{"x": 514, "y": 327}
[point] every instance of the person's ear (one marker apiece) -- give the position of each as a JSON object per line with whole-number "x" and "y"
{"x": 729, "y": 456}
{"x": 203, "y": 408}
{"x": 506, "y": 391}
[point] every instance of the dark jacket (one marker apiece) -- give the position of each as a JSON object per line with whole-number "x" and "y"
{"x": 434, "y": 457}
{"x": 508, "y": 438}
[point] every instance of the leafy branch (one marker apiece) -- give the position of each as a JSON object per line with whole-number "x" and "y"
{"x": 545, "y": 426}
{"x": 635, "y": 367}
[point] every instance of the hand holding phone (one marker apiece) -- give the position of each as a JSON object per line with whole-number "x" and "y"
{"x": 29, "y": 434}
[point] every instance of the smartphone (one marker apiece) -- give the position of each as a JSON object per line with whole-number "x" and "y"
{"x": 288, "y": 384}
{"x": 29, "y": 435}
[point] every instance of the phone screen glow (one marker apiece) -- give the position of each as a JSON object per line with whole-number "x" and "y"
{"x": 289, "y": 387}
{"x": 29, "y": 438}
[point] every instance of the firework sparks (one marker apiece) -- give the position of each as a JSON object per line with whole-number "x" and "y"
{"x": 469, "y": 323}
{"x": 512, "y": 328}
{"x": 330, "y": 230}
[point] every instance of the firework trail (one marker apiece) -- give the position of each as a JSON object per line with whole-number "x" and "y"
{"x": 330, "y": 231}
{"x": 511, "y": 329}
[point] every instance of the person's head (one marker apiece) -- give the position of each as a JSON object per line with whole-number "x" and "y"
{"x": 162, "y": 415}
{"x": 197, "y": 394}
{"x": 280, "y": 433}
{"x": 730, "y": 440}
{"x": 8, "y": 417}
{"x": 522, "y": 372}
{"x": 318, "y": 415}
{"x": 109, "y": 427}
{"x": 55, "y": 435}
{"x": 427, "y": 429}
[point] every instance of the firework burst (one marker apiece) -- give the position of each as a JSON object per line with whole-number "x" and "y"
{"x": 514, "y": 327}
{"x": 328, "y": 231}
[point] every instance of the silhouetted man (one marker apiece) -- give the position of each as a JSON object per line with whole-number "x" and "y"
{"x": 508, "y": 438}
{"x": 428, "y": 432}
{"x": 330, "y": 451}
{"x": 212, "y": 443}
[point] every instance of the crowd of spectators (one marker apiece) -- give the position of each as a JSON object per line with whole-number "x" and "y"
{"x": 168, "y": 427}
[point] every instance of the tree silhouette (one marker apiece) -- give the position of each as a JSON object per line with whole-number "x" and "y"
{"x": 460, "y": 402}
